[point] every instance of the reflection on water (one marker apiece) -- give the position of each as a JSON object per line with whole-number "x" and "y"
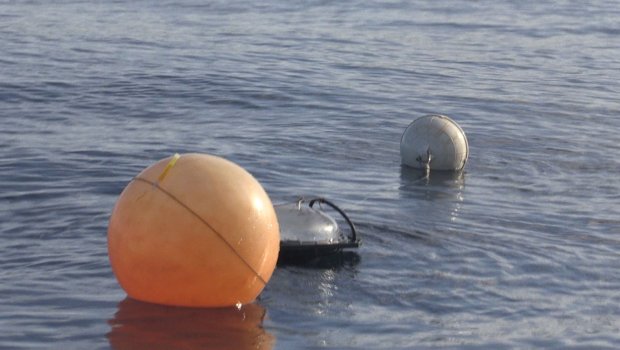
{"x": 411, "y": 177}
{"x": 315, "y": 287}
{"x": 438, "y": 186}
{"x": 138, "y": 325}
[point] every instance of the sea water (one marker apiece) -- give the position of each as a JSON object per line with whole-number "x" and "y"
{"x": 521, "y": 250}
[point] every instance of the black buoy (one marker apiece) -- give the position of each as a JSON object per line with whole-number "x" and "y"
{"x": 308, "y": 233}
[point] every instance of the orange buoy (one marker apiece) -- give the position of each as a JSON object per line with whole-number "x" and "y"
{"x": 193, "y": 230}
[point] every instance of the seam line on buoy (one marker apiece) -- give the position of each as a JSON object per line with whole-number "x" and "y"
{"x": 155, "y": 184}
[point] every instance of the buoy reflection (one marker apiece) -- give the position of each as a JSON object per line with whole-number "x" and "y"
{"x": 437, "y": 186}
{"x": 139, "y": 325}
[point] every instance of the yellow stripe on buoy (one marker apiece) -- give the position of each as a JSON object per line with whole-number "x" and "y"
{"x": 171, "y": 163}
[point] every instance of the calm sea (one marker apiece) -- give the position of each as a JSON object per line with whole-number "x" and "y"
{"x": 520, "y": 251}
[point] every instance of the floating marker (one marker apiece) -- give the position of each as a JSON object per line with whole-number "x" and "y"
{"x": 193, "y": 230}
{"x": 434, "y": 142}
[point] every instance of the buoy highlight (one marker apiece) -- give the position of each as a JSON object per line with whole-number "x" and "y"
{"x": 193, "y": 230}
{"x": 434, "y": 142}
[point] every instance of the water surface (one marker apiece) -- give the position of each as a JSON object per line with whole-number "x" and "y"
{"x": 519, "y": 251}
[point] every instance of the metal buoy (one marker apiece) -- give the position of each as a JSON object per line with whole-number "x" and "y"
{"x": 434, "y": 142}
{"x": 308, "y": 233}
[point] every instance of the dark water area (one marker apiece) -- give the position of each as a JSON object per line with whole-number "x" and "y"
{"x": 519, "y": 251}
